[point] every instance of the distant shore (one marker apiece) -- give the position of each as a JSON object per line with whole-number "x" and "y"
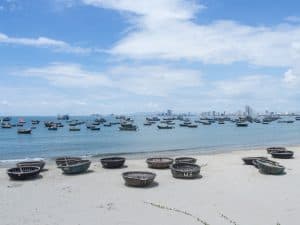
{"x": 229, "y": 192}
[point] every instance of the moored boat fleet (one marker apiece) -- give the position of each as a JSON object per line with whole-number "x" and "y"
{"x": 126, "y": 123}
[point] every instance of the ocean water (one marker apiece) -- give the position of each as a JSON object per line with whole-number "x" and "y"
{"x": 43, "y": 143}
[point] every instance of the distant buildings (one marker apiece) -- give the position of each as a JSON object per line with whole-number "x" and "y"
{"x": 248, "y": 111}
{"x": 169, "y": 112}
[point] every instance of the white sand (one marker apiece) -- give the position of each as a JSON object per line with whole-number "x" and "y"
{"x": 228, "y": 188}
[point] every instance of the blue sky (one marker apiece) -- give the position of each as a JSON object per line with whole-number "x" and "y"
{"x": 120, "y": 56}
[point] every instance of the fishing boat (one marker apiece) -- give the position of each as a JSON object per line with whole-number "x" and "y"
{"x": 282, "y": 154}
{"x": 127, "y": 127}
{"x": 269, "y": 167}
{"x": 241, "y": 124}
{"x": 35, "y": 122}
{"x": 185, "y": 124}
{"x": 6, "y": 119}
{"x": 285, "y": 121}
{"x": 21, "y": 121}
{"x": 73, "y": 167}
{"x": 59, "y": 125}
{"x": 170, "y": 123}
{"x": 205, "y": 122}
{"x": 185, "y": 170}
{"x": 138, "y": 178}
{"x": 276, "y": 149}
{"x": 192, "y": 126}
{"x": 297, "y": 118}
{"x": 152, "y": 119}
{"x": 24, "y": 131}
{"x": 185, "y": 160}
{"x": 164, "y": 126}
{"x": 96, "y": 123}
{"x": 24, "y": 172}
{"x": 159, "y": 162}
{"x": 94, "y": 128}
{"x": 113, "y": 162}
{"x": 250, "y": 160}
{"x": 37, "y": 163}
{"x": 6, "y": 125}
{"x": 74, "y": 128}
{"x": 52, "y": 128}
{"x": 67, "y": 159}
{"x": 48, "y": 124}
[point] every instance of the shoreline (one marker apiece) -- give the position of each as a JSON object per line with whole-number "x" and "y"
{"x": 227, "y": 191}
{"x": 143, "y": 155}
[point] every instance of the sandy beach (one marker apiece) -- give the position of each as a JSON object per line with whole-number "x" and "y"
{"x": 229, "y": 192}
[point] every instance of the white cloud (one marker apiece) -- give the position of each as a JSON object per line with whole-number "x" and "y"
{"x": 165, "y": 29}
{"x": 140, "y": 80}
{"x": 154, "y": 80}
{"x": 68, "y": 75}
{"x": 292, "y": 77}
{"x": 43, "y": 42}
{"x": 293, "y": 19}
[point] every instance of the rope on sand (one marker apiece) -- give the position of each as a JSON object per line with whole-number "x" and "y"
{"x": 178, "y": 211}
{"x": 228, "y": 219}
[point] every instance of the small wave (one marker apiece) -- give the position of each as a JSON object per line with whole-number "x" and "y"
{"x": 14, "y": 161}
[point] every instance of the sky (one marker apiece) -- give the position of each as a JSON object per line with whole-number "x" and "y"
{"x": 122, "y": 56}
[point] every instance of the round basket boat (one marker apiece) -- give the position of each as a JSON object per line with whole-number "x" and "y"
{"x": 185, "y": 160}
{"x": 159, "y": 162}
{"x": 38, "y": 163}
{"x": 283, "y": 155}
{"x": 23, "y": 173}
{"x": 276, "y": 149}
{"x": 255, "y": 163}
{"x": 138, "y": 178}
{"x": 185, "y": 170}
{"x": 113, "y": 162}
{"x": 63, "y": 160}
{"x": 250, "y": 160}
{"x": 75, "y": 167}
{"x": 270, "y": 167}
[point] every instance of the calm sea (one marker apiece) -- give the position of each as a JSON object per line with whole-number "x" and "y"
{"x": 109, "y": 140}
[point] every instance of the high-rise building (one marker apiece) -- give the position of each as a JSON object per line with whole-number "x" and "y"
{"x": 248, "y": 111}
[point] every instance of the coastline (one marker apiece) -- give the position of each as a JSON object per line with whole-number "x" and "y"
{"x": 228, "y": 193}
{"x": 196, "y": 151}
